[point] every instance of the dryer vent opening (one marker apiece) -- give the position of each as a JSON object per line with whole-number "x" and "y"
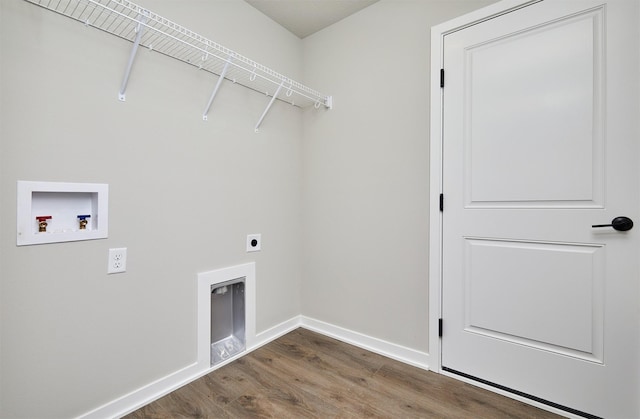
{"x": 228, "y": 336}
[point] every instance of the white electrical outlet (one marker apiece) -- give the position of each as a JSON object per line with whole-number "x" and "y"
{"x": 117, "y": 260}
{"x": 254, "y": 241}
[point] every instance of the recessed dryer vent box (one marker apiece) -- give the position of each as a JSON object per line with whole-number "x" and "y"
{"x": 69, "y": 211}
{"x": 227, "y": 320}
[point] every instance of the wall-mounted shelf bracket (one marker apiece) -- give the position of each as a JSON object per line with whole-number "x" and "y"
{"x": 144, "y": 28}
{"x": 329, "y": 102}
{"x": 273, "y": 99}
{"x": 223, "y": 73}
{"x": 142, "y": 19}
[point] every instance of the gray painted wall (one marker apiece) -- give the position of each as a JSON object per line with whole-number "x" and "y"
{"x": 183, "y": 196}
{"x": 366, "y": 170}
{"x": 340, "y": 197}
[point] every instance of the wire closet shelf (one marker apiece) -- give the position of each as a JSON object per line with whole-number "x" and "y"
{"x": 142, "y": 27}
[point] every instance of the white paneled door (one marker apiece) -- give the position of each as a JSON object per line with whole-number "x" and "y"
{"x": 540, "y": 144}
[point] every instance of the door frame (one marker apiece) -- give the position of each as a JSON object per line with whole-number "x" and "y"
{"x": 438, "y": 33}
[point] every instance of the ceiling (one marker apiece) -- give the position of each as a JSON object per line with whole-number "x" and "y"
{"x": 305, "y": 17}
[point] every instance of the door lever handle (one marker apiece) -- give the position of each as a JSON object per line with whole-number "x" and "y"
{"x": 618, "y": 223}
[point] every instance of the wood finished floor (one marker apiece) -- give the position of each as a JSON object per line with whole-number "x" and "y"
{"x": 307, "y": 375}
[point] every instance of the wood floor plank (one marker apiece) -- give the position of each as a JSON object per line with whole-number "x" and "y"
{"x": 280, "y": 392}
{"x": 227, "y": 385}
{"x": 307, "y": 375}
{"x": 151, "y": 411}
{"x": 317, "y": 343}
{"x": 323, "y": 370}
{"x": 322, "y": 387}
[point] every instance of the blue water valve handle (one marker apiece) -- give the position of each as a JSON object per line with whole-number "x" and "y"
{"x": 82, "y": 220}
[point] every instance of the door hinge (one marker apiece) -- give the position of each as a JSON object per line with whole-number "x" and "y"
{"x": 442, "y": 77}
{"x": 441, "y": 202}
{"x": 440, "y": 328}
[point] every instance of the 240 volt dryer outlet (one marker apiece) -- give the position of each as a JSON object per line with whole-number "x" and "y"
{"x": 254, "y": 242}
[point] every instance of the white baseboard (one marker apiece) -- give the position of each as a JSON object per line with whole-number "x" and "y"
{"x": 276, "y": 331}
{"x": 163, "y": 386}
{"x": 144, "y": 395}
{"x": 390, "y": 350}
{"x": 153, "y": 391}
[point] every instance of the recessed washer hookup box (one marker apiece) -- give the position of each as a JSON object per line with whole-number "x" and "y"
{"x": 54, "y": 212}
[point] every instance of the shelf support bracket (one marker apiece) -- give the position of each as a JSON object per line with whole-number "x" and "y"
{"x": 139, "y": 29}
{"x": 273, "y": 99}
{"x": 215, "y": 89}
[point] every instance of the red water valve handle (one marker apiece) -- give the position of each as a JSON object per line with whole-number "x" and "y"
{"x": 42, "y": 223}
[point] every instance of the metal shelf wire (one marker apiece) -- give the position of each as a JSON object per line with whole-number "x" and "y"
{"x": 144, "y": 28}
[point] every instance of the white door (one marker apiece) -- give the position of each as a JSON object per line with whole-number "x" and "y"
{"x": 540, "y": 142}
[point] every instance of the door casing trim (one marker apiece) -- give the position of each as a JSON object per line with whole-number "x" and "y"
{"x": 438, "y": 33}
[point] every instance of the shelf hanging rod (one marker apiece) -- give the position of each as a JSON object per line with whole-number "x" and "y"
{"x": 134, "y": 50}
{"x": 215, "y": 90}
{"x": 275, "y": 96}
{"x": 178, "y": 42}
